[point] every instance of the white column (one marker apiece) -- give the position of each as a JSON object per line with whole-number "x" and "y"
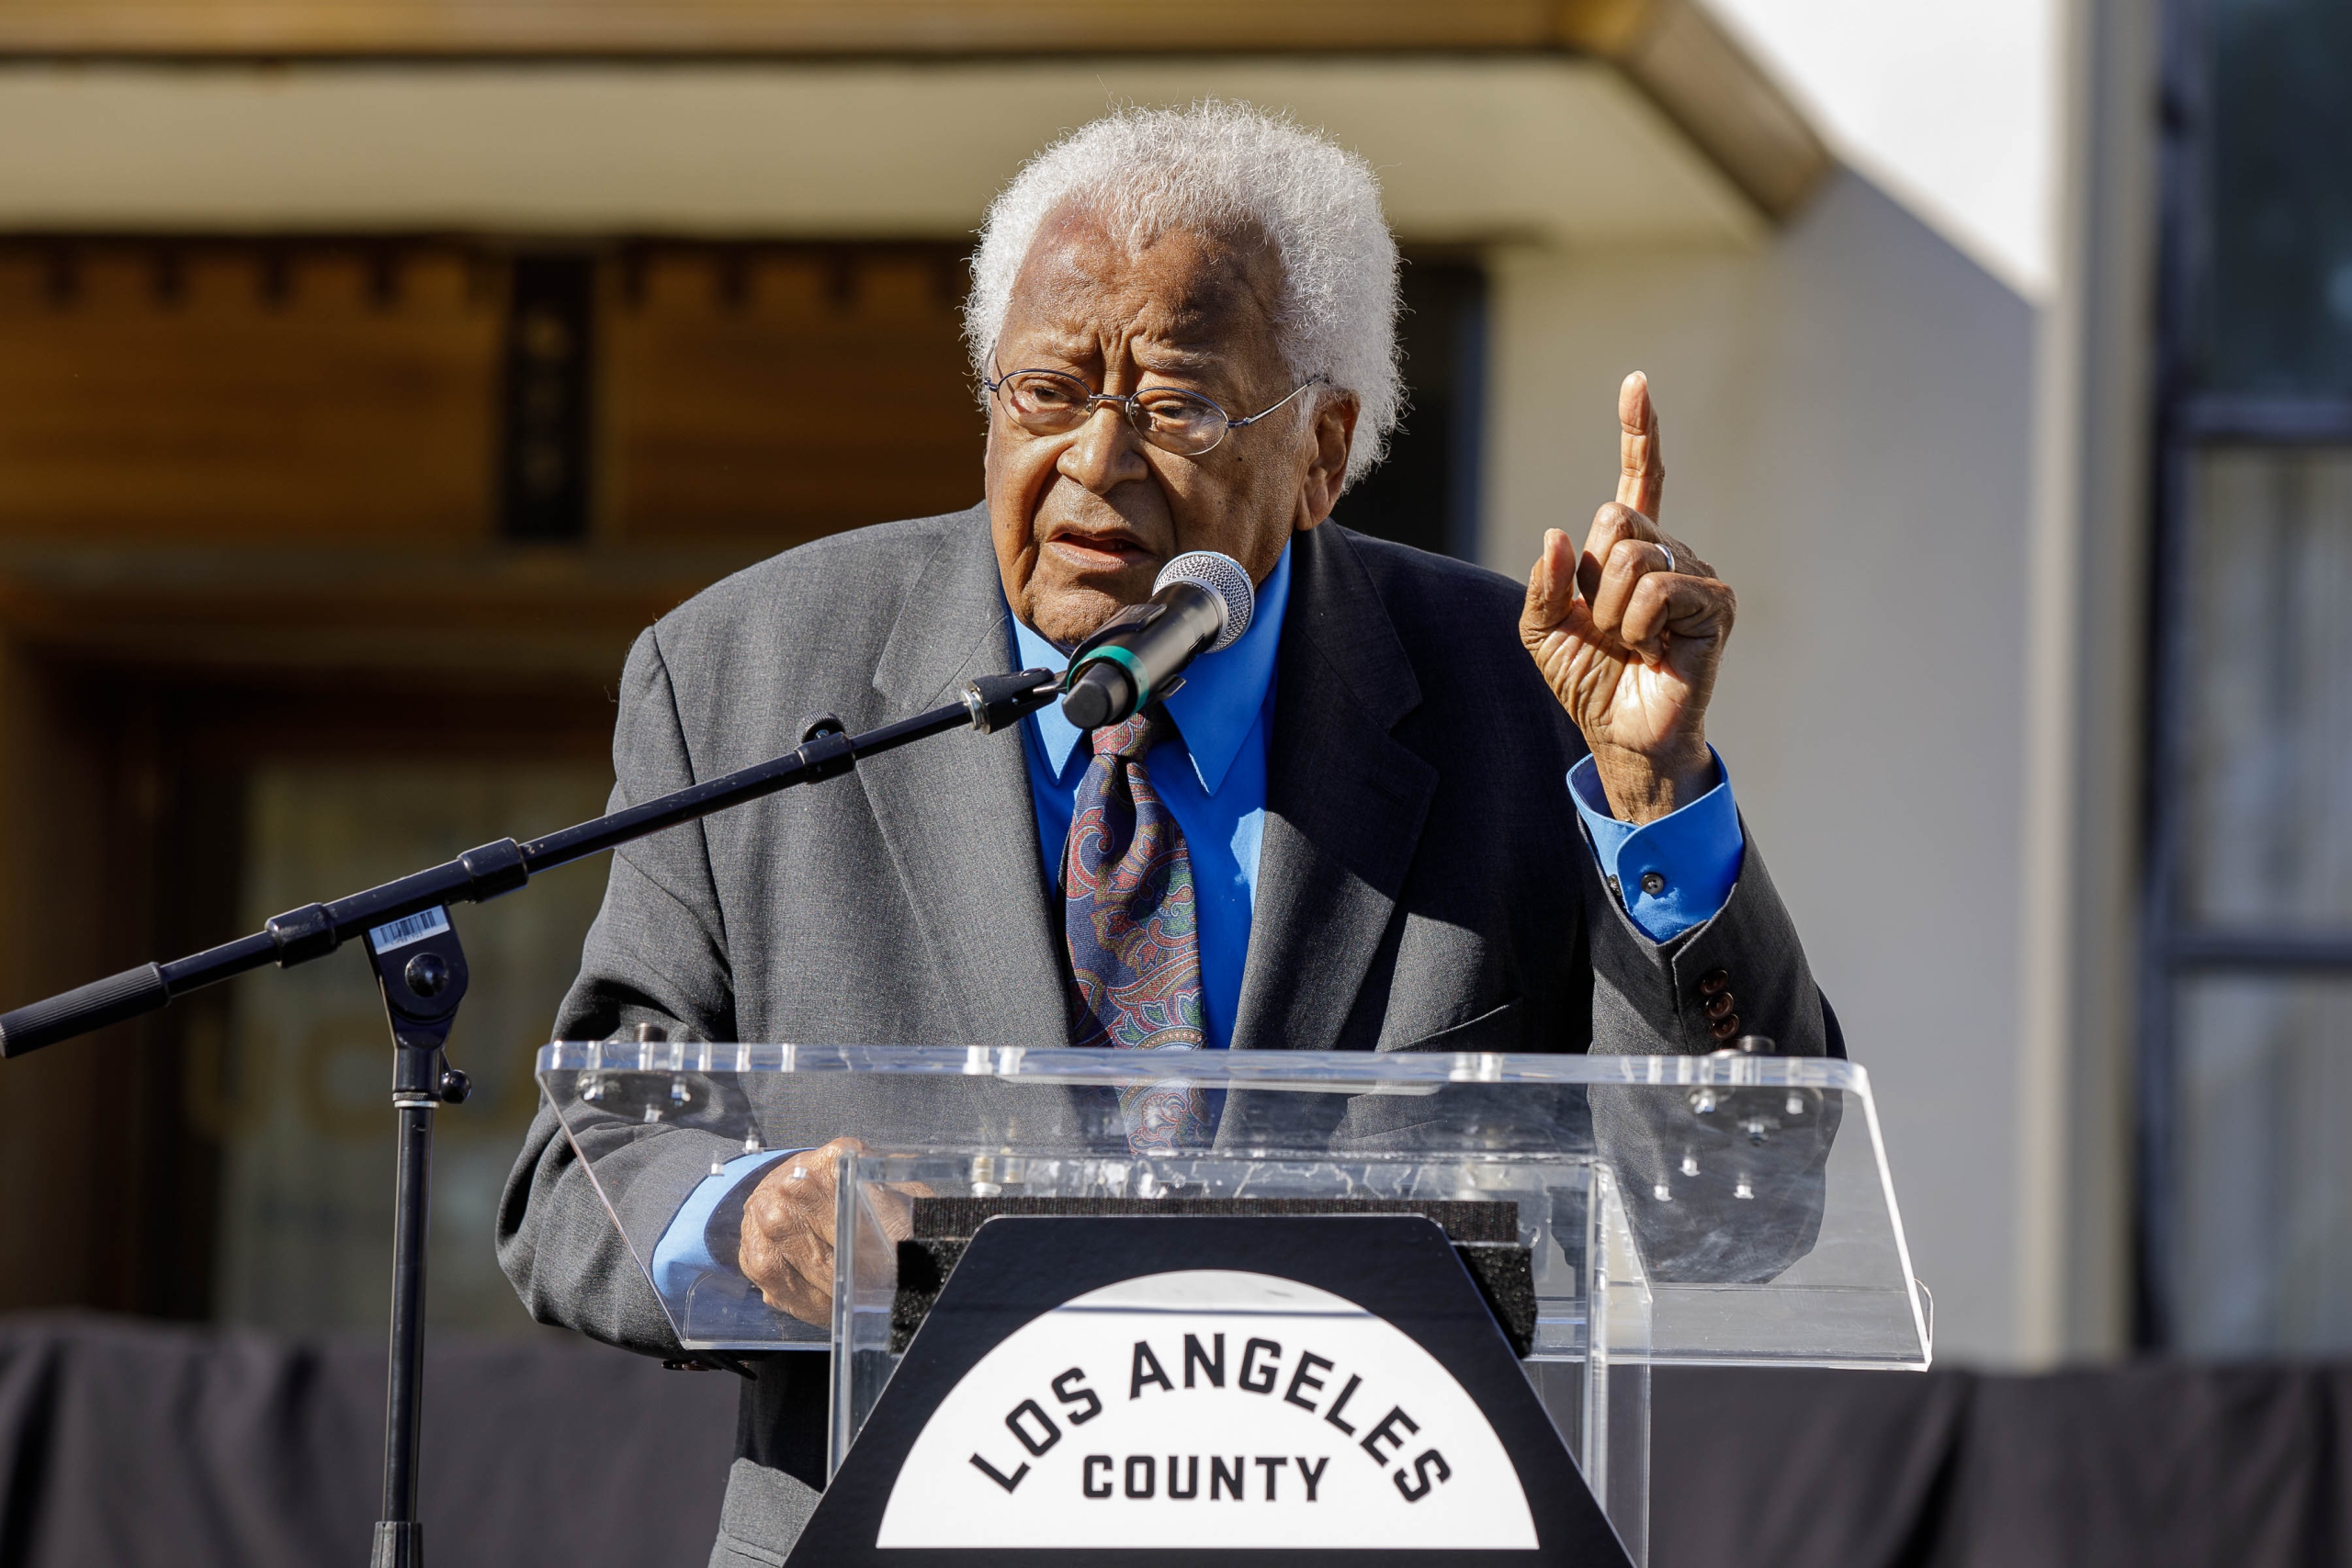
{"x": 2079, "y": 883}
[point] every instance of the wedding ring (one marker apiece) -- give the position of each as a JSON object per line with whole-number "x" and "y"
{"x": 1668, "y": 551}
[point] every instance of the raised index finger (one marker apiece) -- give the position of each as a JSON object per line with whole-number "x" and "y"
{"x": 1641, "y": 476}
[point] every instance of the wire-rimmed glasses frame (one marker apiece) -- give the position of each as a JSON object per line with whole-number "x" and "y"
{"x": 1054, "y": 402}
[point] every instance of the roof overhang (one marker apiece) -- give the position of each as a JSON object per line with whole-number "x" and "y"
{"x": 1574, "y": 120}
{"x": 1552, "y": 150}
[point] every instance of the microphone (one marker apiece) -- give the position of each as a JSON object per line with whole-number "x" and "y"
{"x": 1201, "y": 602}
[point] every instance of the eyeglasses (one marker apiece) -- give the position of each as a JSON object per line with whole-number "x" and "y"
{"x": 1046, "y": 402}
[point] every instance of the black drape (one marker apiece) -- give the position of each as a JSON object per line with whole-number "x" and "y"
{"x": 125, "y": 1444}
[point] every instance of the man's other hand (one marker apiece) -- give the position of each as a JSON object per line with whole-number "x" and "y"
{"x": 1629, "y": 631}
{"x": 786, "y": 1249}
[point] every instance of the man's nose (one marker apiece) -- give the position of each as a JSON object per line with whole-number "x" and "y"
{"x": 1106, "y": 451}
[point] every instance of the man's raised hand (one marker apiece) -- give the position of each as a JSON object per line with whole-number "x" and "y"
{"x": 1629, "y": 631}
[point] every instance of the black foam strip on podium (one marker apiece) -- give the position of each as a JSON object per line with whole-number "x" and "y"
{"x": 1493, "y": 1221}
{"x": 1505, "y": 1276}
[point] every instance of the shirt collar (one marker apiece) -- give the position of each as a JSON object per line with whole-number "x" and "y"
{"x": 1219, "y": 702}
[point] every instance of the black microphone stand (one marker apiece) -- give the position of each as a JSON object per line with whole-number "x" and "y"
{"x": 421, "y": 969}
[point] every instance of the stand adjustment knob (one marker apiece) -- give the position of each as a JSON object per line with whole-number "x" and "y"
{"x": 427, "y": 974}
{"x": 454, "y": 1087}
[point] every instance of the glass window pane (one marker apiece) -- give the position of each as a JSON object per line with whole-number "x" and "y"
{"x": 2278, "y": 315}
{"x": 2269, "y": 678}
{"x": 2262, "y": 1239}
{"x": 304, "y": 1110}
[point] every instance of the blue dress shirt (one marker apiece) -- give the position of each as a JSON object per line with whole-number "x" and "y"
{"x": 1671, "y": 874}
{"x": 683, "y": 1253}
{"x": 1213, "y": 777}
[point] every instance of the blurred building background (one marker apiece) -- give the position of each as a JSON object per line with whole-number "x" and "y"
{"x": 371, "y": 372}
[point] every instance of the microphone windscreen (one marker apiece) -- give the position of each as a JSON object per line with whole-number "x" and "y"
{"x": 1223, "y": 576}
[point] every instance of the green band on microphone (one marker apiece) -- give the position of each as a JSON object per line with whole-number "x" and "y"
{"x": 1126, "y": 660}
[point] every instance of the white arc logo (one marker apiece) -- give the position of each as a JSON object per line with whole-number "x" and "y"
{"x": 1208, "y": 1408}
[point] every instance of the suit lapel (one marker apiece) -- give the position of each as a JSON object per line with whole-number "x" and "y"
{"x": 956, "y": 811}
{"x": 1344, "y": 804}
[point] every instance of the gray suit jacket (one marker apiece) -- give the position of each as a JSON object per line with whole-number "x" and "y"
{"x": 1423, "y": 882}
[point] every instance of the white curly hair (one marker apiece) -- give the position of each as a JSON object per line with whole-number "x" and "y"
{"x": 1217, "y": 167}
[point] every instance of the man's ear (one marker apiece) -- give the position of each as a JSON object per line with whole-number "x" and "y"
{"x": 1335, "y": 433}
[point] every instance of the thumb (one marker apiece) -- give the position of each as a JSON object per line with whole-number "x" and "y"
{"x": 1552, "y": 585}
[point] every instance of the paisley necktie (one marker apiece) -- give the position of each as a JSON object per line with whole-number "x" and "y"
{"x": 1133, "y": 927}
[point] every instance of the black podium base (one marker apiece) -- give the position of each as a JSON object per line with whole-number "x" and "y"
{"x": 1208, "y": 1389}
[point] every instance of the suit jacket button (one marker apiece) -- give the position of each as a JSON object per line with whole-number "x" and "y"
{"x": 1714, "y": 980}
{"x": 1724, "y": 1027}
{"x": 1719, "y": 1004}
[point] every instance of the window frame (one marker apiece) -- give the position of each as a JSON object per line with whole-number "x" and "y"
{"x": 2188, "y": 421}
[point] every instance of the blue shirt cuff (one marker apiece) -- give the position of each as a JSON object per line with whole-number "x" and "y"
{"x": 684, "y": 1249}
{"x": 1672, "y": 874}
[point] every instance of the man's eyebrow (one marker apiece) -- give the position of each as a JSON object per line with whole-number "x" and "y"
{"x": 1066, "y": 351}
{"x": 1167, "y": 358}
{"x": 1159, "y": 357}
{"x": 1177, "y": 355}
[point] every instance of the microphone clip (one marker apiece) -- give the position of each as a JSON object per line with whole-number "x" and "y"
{"x": 1133, "y": 618}
{"x": 998, "y": 701}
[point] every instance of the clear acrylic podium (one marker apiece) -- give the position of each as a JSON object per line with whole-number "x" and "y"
{"x": 1728, "y": 1209}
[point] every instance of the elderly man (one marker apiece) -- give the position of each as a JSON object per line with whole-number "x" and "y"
{"x": 1408, "y": 826}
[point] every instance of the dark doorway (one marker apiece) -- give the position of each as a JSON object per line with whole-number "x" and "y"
{"x": 1426, "y": 495}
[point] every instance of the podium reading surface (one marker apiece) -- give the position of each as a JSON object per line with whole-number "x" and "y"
{"x": 1416, "y": 1219}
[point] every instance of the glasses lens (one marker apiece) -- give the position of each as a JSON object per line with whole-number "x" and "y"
{"x": 1044, "y": 402}
{"x": 1179, "y": 422}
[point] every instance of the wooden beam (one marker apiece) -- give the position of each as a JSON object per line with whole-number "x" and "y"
{"x": 1673, "y": 49}
{"x": 463, "y": 615}
{"x": 464, "y": 27}
{"x": 291, "y": 393}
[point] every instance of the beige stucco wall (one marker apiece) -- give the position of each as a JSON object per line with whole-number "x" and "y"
{"x": 1846, "y": 421}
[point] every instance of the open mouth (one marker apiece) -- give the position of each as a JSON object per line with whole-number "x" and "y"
{"x": 1097, "y": 552}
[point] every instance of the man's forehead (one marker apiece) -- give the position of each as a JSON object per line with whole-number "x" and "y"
{"x": 1079, "y": 331}
{"x": 1186, "y": 293}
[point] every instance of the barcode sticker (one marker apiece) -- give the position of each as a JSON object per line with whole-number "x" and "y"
{"x": 400, "y": 933}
